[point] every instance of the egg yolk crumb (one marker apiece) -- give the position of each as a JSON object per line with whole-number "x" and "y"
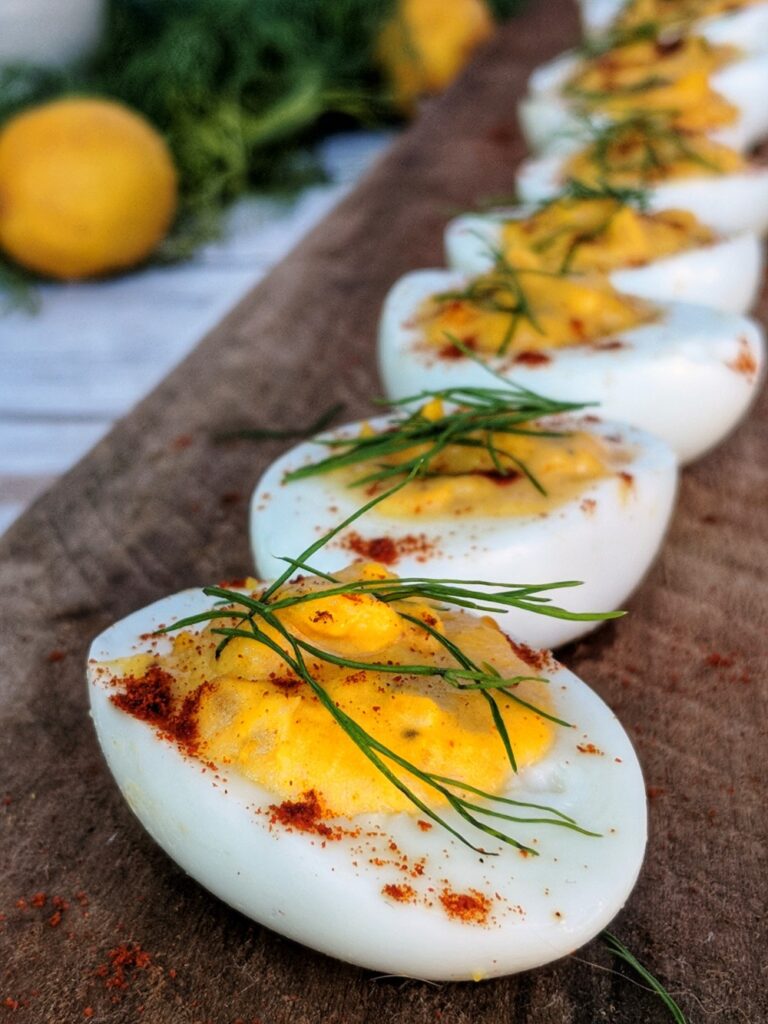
{"x": 651, "y": 75}
{"x": 251, "y": 713}
{"x": 638, "y": 153}
{"x": 584, "y": 236}
{"x": 523, "y": 310}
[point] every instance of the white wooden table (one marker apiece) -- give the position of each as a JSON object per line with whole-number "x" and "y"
{"x": 91, "y": 351}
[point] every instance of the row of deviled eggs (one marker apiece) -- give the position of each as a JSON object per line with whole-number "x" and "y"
{"x": 358, "y": 747}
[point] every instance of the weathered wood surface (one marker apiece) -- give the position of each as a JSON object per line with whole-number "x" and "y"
{"x": 156, "y": 507}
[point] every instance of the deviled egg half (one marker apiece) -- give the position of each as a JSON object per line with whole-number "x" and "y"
{"x": 666, "y": 255}
{"x": 743, "y": 23}
{"x": 677, "y": 170}
{"x": 331, "y": 772}
{"x": 683, "y": 372}
{"x": 500, "y": 492}
{"x": 698, "y": 86}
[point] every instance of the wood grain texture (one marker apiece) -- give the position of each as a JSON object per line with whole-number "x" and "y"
{"x": 157, "y": 507}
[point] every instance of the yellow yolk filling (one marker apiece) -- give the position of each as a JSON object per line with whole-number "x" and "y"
{"x": 255, "y": 716}
{"x": 638, "y": 155}
{"x": 583, "y": 236}
{"x": 529, "y": 312}
{"x": 647, "y": 76}
{"x": 466, "y": 481}
{"x": 667, "y": 12}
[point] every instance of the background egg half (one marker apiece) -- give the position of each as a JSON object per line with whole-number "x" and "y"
{"x": 687, "y": 377}
{"x": 746, "y": 26}
{"x": 726, "y": 274}
{"x": 730, "y": 204}
{"x": 333, "y": 897}
{"x": 550, "y": 122}
{"x": 607, "y": 535}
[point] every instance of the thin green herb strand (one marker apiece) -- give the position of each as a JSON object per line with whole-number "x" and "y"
{"x": 370, "y": 747}
{"x": 617, "y": 947}
{"x": 266, "y": 434}
{"x": 653, "y": 130}
{"x": 478, "y": 411}
{"x": 270, "y": 601}
{"x": 470, "y": 667}
{"x": 321, "y": 543}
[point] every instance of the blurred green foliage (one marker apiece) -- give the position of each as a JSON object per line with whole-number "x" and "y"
{"x": 238, "y": 87}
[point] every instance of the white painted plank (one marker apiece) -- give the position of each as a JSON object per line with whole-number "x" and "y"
{"x": 93, "y": 350}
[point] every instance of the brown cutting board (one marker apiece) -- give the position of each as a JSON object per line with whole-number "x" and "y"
{"x": 159, "y": 506}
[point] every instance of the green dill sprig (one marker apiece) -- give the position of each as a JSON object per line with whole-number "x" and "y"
{"x": 581, "y": 190}
{"x": 474, "y": 417}
{"x": 18, "y": 289}
{"x": 617, "y": 947}
{"x": 277, "y": 434}
{"x": 598, "y": 45}
{"x": 660, "y": 145}
{"x": 255, "y": 616}
{"x": 653, "y": 81}
{"x": 501, "y": 291}
{"x": 572, "y": 189}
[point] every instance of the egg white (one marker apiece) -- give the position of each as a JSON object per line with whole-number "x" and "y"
{"x": 328, "y": 895}
{"x": 747, "y": 27}
{"x": 599, "y": 15}
{"x": 550, "y": 122}
{"x": 730, "y": 204}
{"x": 607, "y": 536}
{"x": 673, "y": 377}
{"x": 726, "y": 274}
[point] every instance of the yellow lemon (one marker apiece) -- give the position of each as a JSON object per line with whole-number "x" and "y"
{"x": 427, "y": 42}
{"x": 87, "y": 187}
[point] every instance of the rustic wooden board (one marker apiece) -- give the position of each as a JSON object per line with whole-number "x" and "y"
{"x": 157, "y": 506}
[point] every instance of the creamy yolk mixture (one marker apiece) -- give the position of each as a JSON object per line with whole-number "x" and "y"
{"x": 635, "y": 155}
{"x": 657, "y": 77}
{"x": 581, "y": 236}
{"x": 256, "y": 716}
{"x": 529, "y": 311}
{"x": 669, "y": 12}
{"x": 465, "y": 481}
